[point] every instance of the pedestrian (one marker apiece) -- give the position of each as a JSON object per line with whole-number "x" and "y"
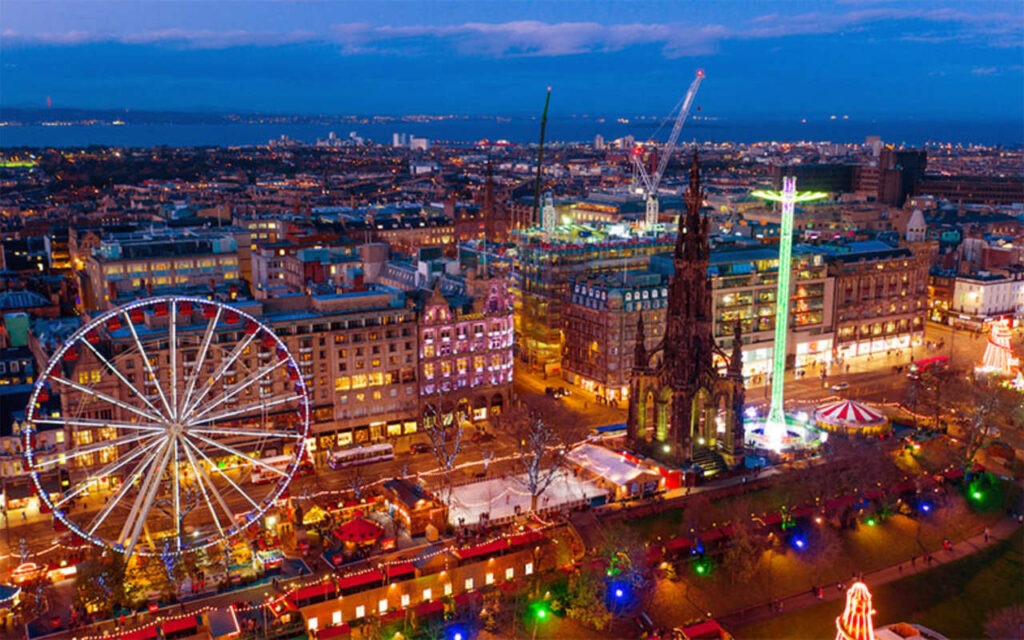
{"x": 23, "y": 516}
{"x": 986, "y": 534}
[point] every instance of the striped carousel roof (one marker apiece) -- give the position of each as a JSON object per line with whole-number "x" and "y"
{"x": 848, "y": 412}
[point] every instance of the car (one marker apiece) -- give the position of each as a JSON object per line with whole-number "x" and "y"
{"x": 550, "y": 391}
{"x": 482, "y": 436}
{"x": 841, "y": 386}
{"x": 420, "y": 447}
{"x": 561, "y": 393}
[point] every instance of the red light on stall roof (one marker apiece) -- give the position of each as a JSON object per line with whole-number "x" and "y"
{"x": 638, "y": 151}
{"x": 700, "y": 73}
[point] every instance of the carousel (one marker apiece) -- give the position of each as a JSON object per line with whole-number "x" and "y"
{"x": 851, "y": 418}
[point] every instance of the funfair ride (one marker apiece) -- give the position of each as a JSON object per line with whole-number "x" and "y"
{"x": 775, "y": 430}
{"x": 648, "y": 184}
{"x": 167, "y": 406}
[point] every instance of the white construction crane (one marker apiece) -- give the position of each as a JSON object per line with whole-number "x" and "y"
{"x": 649, "y": 184}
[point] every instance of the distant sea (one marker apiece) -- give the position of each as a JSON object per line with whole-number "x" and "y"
{"x": 520, "y": 131}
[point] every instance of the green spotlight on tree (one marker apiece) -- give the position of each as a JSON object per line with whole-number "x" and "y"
{"x": 871, "y": 522}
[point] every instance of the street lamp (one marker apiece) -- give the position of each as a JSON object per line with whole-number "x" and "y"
{"x": 540, "y": 613}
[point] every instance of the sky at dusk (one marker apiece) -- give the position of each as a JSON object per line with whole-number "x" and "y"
{"x": 922, "y": 60}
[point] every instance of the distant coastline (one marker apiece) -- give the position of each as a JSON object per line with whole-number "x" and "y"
{"x": 66, "y": 127}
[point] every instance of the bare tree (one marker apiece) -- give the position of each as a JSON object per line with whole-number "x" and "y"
{"x": 981, "y": 407}
{"x": 445, "y": 439}
{"x": 355, "y": 484}
{"x": 541, "y": 452}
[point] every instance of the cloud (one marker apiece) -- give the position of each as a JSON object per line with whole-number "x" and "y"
{"x": 535, "y": 38}
{"x": 984, "y": 71}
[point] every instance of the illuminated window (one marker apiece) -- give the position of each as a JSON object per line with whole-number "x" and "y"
{"x": 359, "y": 381}
{"x": 510, "y": 573}
{"x": 312, "y": 624}
{"x": 448, "y": 589}
{"x": 428, "y": 370}
{"x": 382, "y": 606}
{"x": 489, "y": 578}
{"x": 427, "y": 594}
{"x": 405, "y": 599}
{"x": 336, "y": 617}
{"x": 528, "y": 569}
{"x": 469, "y": 584}
{"x": 360, "y": 611}
{"x": 342, "y": 384}
{"x": 446, "y": 368}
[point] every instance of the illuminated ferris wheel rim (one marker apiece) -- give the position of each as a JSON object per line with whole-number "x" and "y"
{"x": 123, "y": 313}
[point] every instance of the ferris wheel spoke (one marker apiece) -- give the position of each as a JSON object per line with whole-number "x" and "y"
{"x": 234, "y": 451}
{"x": 148, "y": 364}
{"x": 219, "y": 373}
{"x": 106, "y": 444}
{"x": 221, "y": 472}
{"x": 174, "y": 369}
{"x": 177, "y": 496}
{"x": 107, "y": 398}
{"x": 257, "y": 433}
{"x": 200, "y": 473}
{"x": 83, "y": 422}
{"x": 247, "y": 409}
{"x": 136, "y": 519}
{"x": 121, "y": 376}
{"x": 241, "y": 386}
{"x": 126, "y": 486}
{"x": 200, "y": 360}
{"x": 106, "y": 471}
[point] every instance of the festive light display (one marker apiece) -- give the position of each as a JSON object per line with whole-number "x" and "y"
{"x": 172, "y": 424}
{"x": 998, "y": 356}
{"x": 775, "y": 423}
{"x": 855, "y": 623}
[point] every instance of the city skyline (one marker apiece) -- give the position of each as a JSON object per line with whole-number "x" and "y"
{"x": 940, "y": 61}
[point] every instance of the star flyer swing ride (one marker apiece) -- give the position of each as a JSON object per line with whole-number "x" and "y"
{"x": 167, "y": 404}
{"x": 775, "y": 432}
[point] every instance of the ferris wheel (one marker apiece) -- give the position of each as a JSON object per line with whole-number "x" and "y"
{"x": 184, "y": 420}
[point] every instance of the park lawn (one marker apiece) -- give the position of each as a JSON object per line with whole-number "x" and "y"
{"x": 784, "y": 571}
{"x": 953, "y": 599}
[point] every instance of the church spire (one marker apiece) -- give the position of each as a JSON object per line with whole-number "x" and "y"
{"x": 736, "y": 359}
{"x": 640, "y": 350}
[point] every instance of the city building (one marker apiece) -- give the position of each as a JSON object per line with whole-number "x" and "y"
{"x": 547, "y": 267}
{"x": 600, "y": 328}
{"x": 145, "y": 263}
{"x": 881, "y": 297}
{"x": 983, "y": 296}
{"x": 466, "y": 340}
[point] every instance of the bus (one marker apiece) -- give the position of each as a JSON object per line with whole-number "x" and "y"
{"x": 262, "y": 475}
{"x": 360, "y": 455}
{"x": 938, "y": 363}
